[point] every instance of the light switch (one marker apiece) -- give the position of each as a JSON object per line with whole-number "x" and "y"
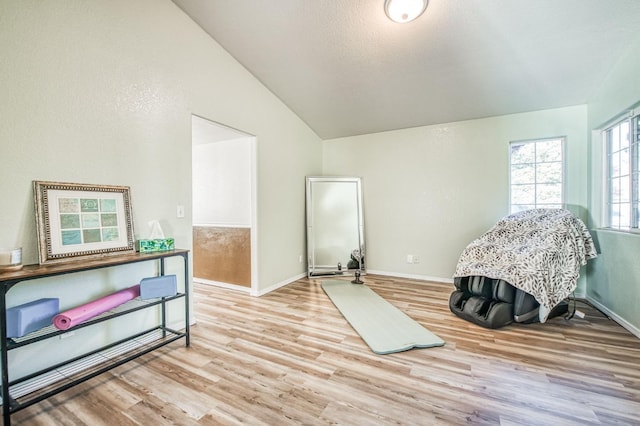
{"x": 180, "y": 211}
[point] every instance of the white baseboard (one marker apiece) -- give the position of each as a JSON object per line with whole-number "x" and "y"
{"x": 179, "y": 325}
{"x": 624, "y": 323}
{"x": 278, "y": 285}
{"x": 412, "y": 276}
{"x": 221, "y": 284}
{"x": 247, "y": 289}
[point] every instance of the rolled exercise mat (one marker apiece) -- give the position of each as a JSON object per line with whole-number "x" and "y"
{"x": 67, "y": 319}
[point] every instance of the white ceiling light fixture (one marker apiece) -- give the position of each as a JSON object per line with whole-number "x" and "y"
{"x": 403, "y": 11}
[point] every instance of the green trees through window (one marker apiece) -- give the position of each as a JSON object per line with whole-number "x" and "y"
{"x": 536, "y": 174}
{"x": 621, "y": 173}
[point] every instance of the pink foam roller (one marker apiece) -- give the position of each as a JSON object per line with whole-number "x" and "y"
{"x": 67, "y": 319}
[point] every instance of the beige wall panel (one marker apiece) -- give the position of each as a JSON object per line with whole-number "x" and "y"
{"x": 222, "y": 254}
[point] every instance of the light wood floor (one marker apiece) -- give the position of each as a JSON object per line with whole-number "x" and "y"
{"x": 289, "y": 357}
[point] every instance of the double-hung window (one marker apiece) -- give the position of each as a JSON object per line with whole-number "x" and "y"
{"x": 536, "y": 170}
{"x": 622, "y": 164}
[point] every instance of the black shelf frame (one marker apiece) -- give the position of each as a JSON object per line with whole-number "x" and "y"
{"x": 160, "y": 335}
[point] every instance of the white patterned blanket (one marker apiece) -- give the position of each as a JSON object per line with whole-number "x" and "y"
{"x": 539, "y": 251}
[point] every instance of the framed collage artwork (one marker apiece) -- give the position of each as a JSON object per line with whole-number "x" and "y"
{"x": 80, "y": 220}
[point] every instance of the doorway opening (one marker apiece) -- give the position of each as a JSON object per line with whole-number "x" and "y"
{"x": 224, "y": 206}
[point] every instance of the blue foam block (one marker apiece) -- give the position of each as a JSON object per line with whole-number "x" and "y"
{"x": 32, "y": 316}
{"x": 154, "y": 287}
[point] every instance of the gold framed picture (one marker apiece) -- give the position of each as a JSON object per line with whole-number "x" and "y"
{"x": 76, "y": 220}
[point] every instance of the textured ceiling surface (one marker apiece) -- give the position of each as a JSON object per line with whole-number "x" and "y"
{"x": 345, "y": 69}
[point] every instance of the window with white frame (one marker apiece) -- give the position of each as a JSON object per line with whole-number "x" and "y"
{"x": 536, "y": 170}
{"x": 621, "y": 173}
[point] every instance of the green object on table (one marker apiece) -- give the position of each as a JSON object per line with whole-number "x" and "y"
{"x": 160, "y": 244}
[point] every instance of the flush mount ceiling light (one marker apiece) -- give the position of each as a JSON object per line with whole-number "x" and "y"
{"x": 404, "y": 11}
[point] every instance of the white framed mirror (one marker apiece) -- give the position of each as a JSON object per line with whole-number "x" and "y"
{"x": 335, "y": 226}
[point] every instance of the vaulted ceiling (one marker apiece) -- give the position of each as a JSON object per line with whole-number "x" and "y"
{"x": 345, "y": 69}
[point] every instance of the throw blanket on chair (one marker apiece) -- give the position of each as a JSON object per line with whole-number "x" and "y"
{"x": 539, "y": 251}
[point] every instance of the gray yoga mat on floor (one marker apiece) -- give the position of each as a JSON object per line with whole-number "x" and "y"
{"x": 381, "y": 325}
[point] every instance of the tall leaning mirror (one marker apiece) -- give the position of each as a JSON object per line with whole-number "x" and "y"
{"x": 335, "y": 226}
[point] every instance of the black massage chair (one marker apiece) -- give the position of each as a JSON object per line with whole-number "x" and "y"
{"x": 494, "y": 303}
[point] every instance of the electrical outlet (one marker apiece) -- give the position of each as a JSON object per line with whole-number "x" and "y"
{"x": 409, "y": 258}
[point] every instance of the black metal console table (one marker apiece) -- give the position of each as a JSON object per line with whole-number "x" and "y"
{"x": 18, "y": 394}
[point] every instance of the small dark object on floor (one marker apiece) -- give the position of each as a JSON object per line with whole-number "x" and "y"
{"x": 357, "y": 280}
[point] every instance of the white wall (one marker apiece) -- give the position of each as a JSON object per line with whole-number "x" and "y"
{"x": 429, "y": 191}
{"x": 103, "y": 93}
{"x": 222, "y": 183}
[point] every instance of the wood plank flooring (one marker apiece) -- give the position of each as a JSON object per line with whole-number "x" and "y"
{"x": 289, "y": 357}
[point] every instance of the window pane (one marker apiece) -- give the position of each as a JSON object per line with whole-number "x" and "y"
{"x": 624, "y": 190}
{"x": 549, "y": 173}
{"x": 614, "y": 136}
{"x": 523, "y": 173}
{"x": 523, "y": 194}
{"x": 549, "y": 193}
{"x": 615, "y": 164}
{"x": 625, "y": 217}
{"x": 624, "y": 135}
{"x": 614, "y": 213}
{"x": 624, "y": 162}
{"x": 615, "y": 190}
{"x": 521, "y": 207}
{"x": 536, "y": 174}
{"x": 522, "y": 153}
{"x": 550, "y": 150}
